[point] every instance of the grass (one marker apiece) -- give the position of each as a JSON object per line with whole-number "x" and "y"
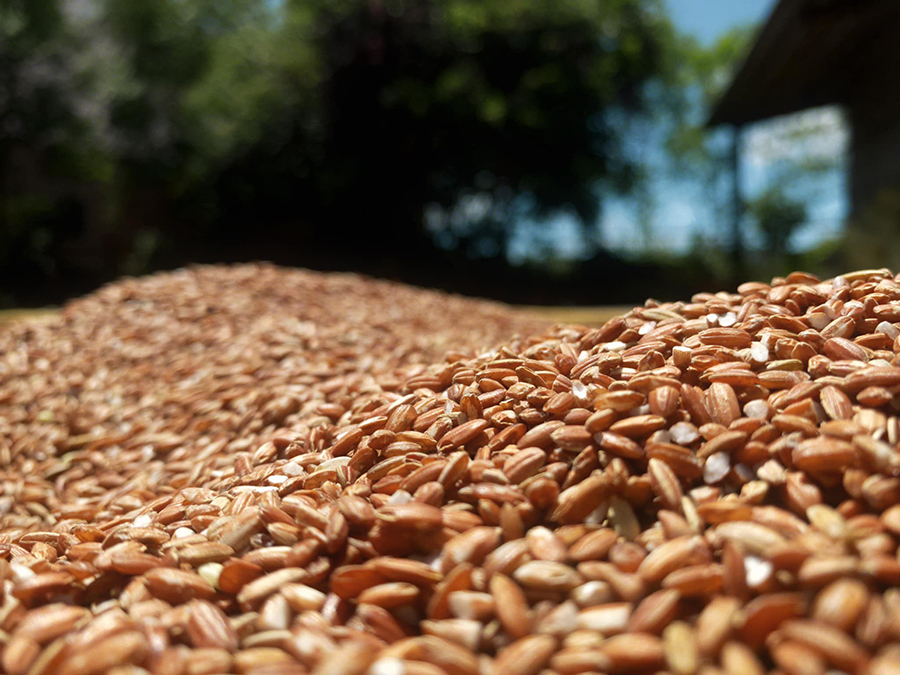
{"x": 588, "y": 316}
{"x": 7, "y": 315}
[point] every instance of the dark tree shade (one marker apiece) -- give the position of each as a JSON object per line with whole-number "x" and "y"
{"x": 335, "y": 133}
{"x": 424, "y": 103}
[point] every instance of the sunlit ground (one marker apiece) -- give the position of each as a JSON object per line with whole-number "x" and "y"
{"x": 589, "y": 316}
{"x": 7, "y": 315}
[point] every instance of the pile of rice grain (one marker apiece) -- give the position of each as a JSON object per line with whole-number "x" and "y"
{"x": 256, "y": 470}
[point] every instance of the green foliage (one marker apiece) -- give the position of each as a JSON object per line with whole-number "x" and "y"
{"x": 43, "y": 140}
{"x": 327, "y": 124}
{"x": 777, "y": 216}
{"x": 702, "y": 77}
{"x": 794, "y": 175}
{"x": 33, "y": 43}
{"x": 869, "y": 242}
{"x": 28, "y": 24}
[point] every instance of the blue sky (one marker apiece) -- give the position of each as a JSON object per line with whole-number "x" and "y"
{"x": 707, "y": 19}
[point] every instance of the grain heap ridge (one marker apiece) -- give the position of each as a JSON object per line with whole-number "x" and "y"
{"x": 697, "y": 487}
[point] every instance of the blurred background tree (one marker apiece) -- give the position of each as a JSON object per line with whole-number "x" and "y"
{"x": 875, "y": 232}
{"x": 706, "y": 155}
{"x": 422, "y": 140}
{"x": 358, "y": 118}
{"x": 789, "y": 175}
{"x": 777, "y": 216}
{"x": 312, "y": 132}
{"x": 45, "y": 149}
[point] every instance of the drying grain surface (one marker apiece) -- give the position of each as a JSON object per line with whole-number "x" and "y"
{"x": 258, "y": 470}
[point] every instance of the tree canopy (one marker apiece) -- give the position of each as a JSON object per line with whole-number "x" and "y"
{"x": 358, "y": 129}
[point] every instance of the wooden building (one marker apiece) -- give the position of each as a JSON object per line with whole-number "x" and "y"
{"x": 812, "y": 53}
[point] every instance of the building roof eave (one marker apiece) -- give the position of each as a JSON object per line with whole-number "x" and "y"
{"x": 807, "y": 54}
